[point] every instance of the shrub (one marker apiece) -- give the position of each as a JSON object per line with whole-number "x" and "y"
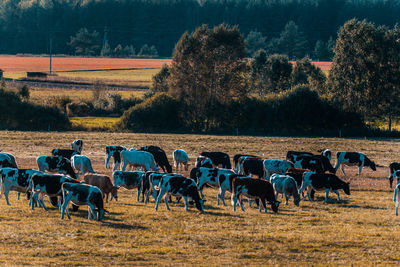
{"x": 24, "y": 92}
{"x": 78, "y": 109}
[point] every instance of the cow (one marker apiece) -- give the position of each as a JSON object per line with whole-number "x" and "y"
{"x": 236, "y": 162}
{"x": 286, "y": 185}
{"x": 81, "y": 194}
{"x": 353, "y": 158}
{"x": 218, "y": 158}
{"x": 77, "y": 145}
{"x": 292, "y": 155}
{"x": 396, "y": 198}
{"x": 7, "y": 161}
{"x": 178, "y": 186}
{"x": 145, "y": 185}
{"x": 225, "y": 184}
{"x": 159, "y": 156}
{"x": 128, "y": 180}
{"x": 323, "y": 181}
{"x": 394, "y": 171}
{"x": 203, "y": 161}
{"x": 49, "y": 184}
{"x": 55, "y": 164}
{"x": 181, "y": 158}
{"x": 326, "y": 164}
{"x": 311, "y": 163}
{"x": 104, "y": 183}
{"x": 138, "y": 158}
{"x": 254, "y": 189}
{"x": 275, "y": 166}
{"x": 13, "y": 179}
{"x": 326, "y": 153}
{"x": 297, "y": 175}
{"x": 82, "y": 164}
{"x": 210, "y": 177}
{"x": 115, "y": 152}
{"x": 65, "y": 153}
{"x": 252, "y": 166}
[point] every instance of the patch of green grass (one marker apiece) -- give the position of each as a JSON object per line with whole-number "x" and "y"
{"x": 94, "y": 122}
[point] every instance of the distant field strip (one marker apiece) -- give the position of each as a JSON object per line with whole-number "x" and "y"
{"x": 93, "y": 122}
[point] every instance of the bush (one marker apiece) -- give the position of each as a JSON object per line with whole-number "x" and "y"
{"x": 78, "y": 109}
{"x": 157, "y": 113}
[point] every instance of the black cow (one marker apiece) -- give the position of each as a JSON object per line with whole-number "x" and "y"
{"x": 236, "y": 160}
{"x": 312, "y": 163}
{"x": 218, "y": 158}
{"x": 253, "y": 166}
{"x": 353, "y": 158}
{"x": 323, "y": 181}
{"x": 128, "y": 180}
{"x": 254, "y": 189}
{"x": 394, "y": 171}
{"x": 292, "y": 155}
{"x": 7, "y": 161}
{"x": 55, "y": 164}
{"x": 65, "y": 153}
{"x": 115, "y": 152}
{"x": 159, "y": 156}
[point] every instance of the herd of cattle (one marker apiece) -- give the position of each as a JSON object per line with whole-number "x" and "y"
{"x": 290, "y": 177}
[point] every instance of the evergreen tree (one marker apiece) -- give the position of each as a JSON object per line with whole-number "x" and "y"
{"x": 85, "y": 42}
{"x": 254, "y": 41}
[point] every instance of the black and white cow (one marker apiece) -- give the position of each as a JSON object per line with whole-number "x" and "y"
{"x": 203, "y": 161}
{"x": 218, "y": 158}
{"x": 396, "y": 198}
{"x": 115, "y": 152}
{"x": 159, "y": 156}
{"x": 55, "y": 164}
{"x": 7, "y": 161}
{"x": 352, "y": 159}
{"x": 276, "y": 166}
{"x": 209, "y": 176}
{"x": 286, "y": 185}
{"x": 82, "y": 194}
{"x": 181, "y": 158}
{"x": 179, "y": 186}
{"x": 292, "y": 155}
{"x": 65, "y": 153}
{"x": 48, "y": 184}
{"x": 225, "y": 184}
{"x": 128, "y": 180}
{"x": 13, "y": 179}
{"x": 323, "y": 181}
{"x": 82, "y": 164}
{"x": 252, "y": 166}
{"x": 145, "y": 185}
{"x": 326, "y": 153}
{"x": 254, "y": 189}
{"x": 308, "y": 162}
{"x": 394, "y": 171}
{"x": 236, "y": 162}
{"x": 77, "y": 145}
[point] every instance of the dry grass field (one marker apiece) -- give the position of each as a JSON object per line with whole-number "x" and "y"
{"x": 360, "y": 230}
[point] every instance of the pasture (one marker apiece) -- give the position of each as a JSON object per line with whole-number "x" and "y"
{"x": 362, "y": 229}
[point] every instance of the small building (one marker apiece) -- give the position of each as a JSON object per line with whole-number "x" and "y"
{"x": 36, "y": 74}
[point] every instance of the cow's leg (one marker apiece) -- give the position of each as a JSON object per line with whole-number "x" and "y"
{"x": 308, "y": 193}
{"x": 222, "y": 196}
{"x": 360, "y": 169}
{"x": 91, "y": 212}
{"x": 326, "y": 195}
{"x": 108, "y": 160}
{"x": 18, "y": 195}
{"x": 33, "y": 199}
{"x": 343, "y": 169}
{"x": 186, "y": 203}
{"x": 337, "y": 193}
{"x": 158, "y": 199}
{"x": 6, "y": 192}
{"x": 41, "y": 202}
{"x": 138, "y": 192}
{"x": 287, "y": 198}
{"x": 166, "y": 203}
{"x": 67, "y": 198}
{"x": 241, "y": 204}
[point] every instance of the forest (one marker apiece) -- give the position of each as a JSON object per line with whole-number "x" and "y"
{"x": 27, "y": 26}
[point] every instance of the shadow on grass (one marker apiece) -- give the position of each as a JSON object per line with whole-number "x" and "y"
{"x": 221, "y": 214}
{"x": 123, "y": 226}
{"x": 367, "y": 207}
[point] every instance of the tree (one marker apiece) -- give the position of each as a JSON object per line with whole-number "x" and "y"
{"x": 208, "y": 70}
{"x": 160, "y": 80}
{"x": 304, "y": 72}
{"x": 129, "y": 51}
{"x": 147, "y": 50}
{"x": 106, "y": 50}
{"x": 366, "y": 69}
{"x": 324, "y": 51}
{"x": 254, "y": 41}
{"x": 85, "y": 42}
{"x": 258, "y": 74}
{"x": 118, "y": 51}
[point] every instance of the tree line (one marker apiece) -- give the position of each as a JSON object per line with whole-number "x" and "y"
{"x": 28, "y": 26}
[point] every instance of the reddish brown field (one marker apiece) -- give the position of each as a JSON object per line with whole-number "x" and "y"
{"x": 22, "y": 64}
{"x": 323, "y": 65}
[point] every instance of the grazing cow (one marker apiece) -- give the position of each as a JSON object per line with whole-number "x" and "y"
{"x": 82, "y": 163}
{"x": 49, "y": 184}
{"x": 326, "y": 153}
{"x": 7, "y": 161}
{"x": 128, "y": 180}
{"x": 145, "y": 185}
{"x": 353, "y": 158}
{"x": 65, "y": 153}
{"x": 13, "y": 179}
{"x": 326, "y": 164}
{"x": 309, "y": 162}
{"x": 218, "y": 158}
{"x": 115, "y": 152}
{"x": 292, "y": 155}
{"x": 104, "y": 183}
{"x": 297, "y": 175}
{"x": 236, "y": 160}
{"x": 323, "y": 181}
{"x": 203, "y": 161}
{"x": 81, "y": 194}
{"x": 181, "y": 158}
{"x": 210, "y": 177}
{"x": 77, "y": 145}
{"x": 55, "y": 164}
{"x": 396, "y": 197}
{"x": 178, "y": 186}
{"x": 394, "y": 171}
{"x": 159, "y": 156}
{"x": 225, "y": 184}
{"x": 286, "y": 185}
{"x": 276, "y": 166}
{"x": 252, "y": 166}
{"x": 137, "y": 158}
{"x": 254, "y": 189}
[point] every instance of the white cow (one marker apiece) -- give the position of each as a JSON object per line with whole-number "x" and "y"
{"x": 138, "y": 158}
{"x": 82, "y": 164}
{"x": 180, "y": 158}
{"x": 77, "y": 145}
{"x": 276, "y": 166}
{"x": 286, "y": 185}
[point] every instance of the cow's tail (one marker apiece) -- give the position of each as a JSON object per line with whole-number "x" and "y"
{"x": 233, "y": 191}
{"x": 396, "y": 192}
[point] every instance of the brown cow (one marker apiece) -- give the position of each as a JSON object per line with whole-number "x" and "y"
{"x": 104, "y": 183}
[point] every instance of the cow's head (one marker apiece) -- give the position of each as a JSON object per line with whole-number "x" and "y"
{"x": 114, "y": 193}
{"x": 346, "y": 188}
{"x": 373, "y": 166}
{"x": 297, "y": 201}
{"x": 275, "y": 206}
